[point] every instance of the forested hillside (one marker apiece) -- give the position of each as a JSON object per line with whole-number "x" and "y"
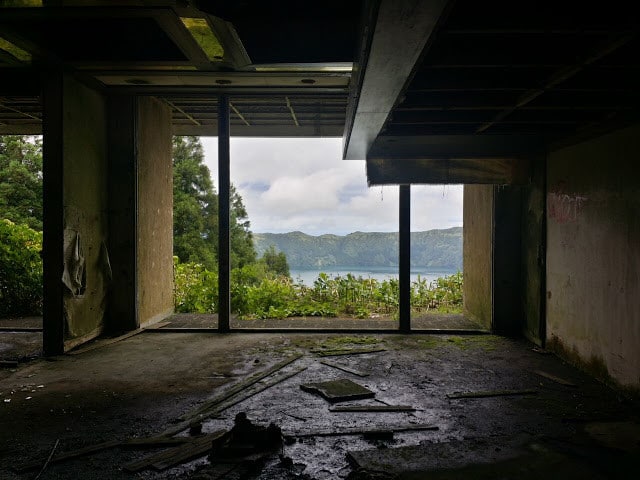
{"x": 433, "y": 248}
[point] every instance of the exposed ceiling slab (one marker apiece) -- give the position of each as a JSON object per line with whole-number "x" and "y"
{"x": 492, "y": 171}
{"x": 550, "y": 74}
{"x": 401, "y": 31}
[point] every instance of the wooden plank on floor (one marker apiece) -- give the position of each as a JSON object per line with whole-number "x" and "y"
{"x": 373, "y": 408}
{"x": 69, "y": 455}
{"x": 195, "y": 447}
{"x": 344, "y": 369}
{"x": 340, "y": 352}
{"x": 491, "y": 393}
{"x": 553, "y": 378}
{"x": 217, "y": 409}
{"x": 359, "y": 431}
{"x": 240, "y": 387}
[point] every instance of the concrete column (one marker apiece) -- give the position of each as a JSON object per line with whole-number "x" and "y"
{"x": 123, "y": 214}
{"x": 478, "y": 253}
{"x": 76, "y": 278}
{"x": 507, "y": 261}
{"x": 141, "y": 212}
{"x": 52, "y": 248}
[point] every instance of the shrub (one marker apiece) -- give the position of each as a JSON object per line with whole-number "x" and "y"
{"x": 195, "y": 288}
{"x": 20, "y": 270}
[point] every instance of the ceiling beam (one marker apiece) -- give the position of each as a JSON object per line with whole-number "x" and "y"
{"x": 21, "y": 129}
{"x": 456, "y": 146}
{"x": 560, "y": 76}
{"x": 262, "y": 130}
{"x": 400, "y": 34}
{"x": 491, "y": 171}
{"x": 170, "y": 23}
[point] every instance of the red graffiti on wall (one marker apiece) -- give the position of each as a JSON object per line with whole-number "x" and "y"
{"x": 563, "y": 207}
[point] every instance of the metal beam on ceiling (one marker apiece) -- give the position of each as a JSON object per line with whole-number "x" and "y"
{"x": 401, "y": 32}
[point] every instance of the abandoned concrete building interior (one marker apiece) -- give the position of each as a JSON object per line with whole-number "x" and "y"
{"x": 533, "y": 106}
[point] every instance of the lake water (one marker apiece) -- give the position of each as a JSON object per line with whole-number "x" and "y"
{"x": 309, "y": 275}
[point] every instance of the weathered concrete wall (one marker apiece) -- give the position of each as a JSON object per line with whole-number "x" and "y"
{"x": 593, "y": 254}
{"x": 85, "y": 210}
{"x": 477, "y": 252}
{"x": 533, "y": 253}
{"x": 155, "y": 211}
{"x": 507, "y": 260}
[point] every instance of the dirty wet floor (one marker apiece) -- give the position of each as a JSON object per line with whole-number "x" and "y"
{"x": 472, "y": 406}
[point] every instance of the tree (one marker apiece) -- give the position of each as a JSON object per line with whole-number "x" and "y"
{"x": 20, "y": 270}
{"x": 275, "y": 262}
{"x": 242, "y": 249}
{"x": 21, "y": 180}
{"x": 195, "y": 211}
{"x": 195, "y": 205}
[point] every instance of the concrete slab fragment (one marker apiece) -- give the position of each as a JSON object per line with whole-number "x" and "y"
{"x": 342, "y": 390}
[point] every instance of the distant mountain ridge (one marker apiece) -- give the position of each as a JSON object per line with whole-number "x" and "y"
{"x": 441, "y": 249}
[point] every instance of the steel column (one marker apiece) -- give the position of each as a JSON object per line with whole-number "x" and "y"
{"x": 224, "y": 186}
{"x": 404, "y": 251}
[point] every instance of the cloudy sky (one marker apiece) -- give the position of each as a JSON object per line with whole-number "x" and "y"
{"x": 303, "y": 184}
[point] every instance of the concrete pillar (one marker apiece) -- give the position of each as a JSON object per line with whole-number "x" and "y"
{"x": 507, "y": 261}
{"x": 478, "y": 253}
{"x": 77, "y": 276}
{"x": 141, "y": 212}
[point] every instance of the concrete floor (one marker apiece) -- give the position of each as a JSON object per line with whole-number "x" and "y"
{"x": 141, "y": 385}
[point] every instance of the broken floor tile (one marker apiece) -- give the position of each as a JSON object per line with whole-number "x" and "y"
{"x": 342, "y": 390}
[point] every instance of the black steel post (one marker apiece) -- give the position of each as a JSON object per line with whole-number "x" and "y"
{"x": 224, "y": 186}
{"x": 404, "y": 252}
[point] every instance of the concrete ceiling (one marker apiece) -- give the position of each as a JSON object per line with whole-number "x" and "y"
{"x": 385, "y": 73}
{"x": 287, "y": 68}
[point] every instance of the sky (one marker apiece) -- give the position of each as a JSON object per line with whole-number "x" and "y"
{"x": 303, "y": 184}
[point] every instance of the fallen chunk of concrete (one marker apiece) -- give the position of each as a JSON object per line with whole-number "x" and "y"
{"x": 342, "y": 390}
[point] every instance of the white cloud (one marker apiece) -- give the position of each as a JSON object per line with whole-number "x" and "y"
{"x": 303, "y": 184}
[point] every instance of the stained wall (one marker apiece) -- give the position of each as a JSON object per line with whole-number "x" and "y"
{"x": 155, "y": 211}
{"x": 593, "y": 254}
{"x": 477, "y": 252}
{"x": 85, "y": 206}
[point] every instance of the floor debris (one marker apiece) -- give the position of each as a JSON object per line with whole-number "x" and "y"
{"x": 347, "y": 351}
{"x": 195, "y": 447}
{"x": 69, "y": 455}
{"x": 341, "y": 390}
{"x": 344, "y": 369}
{"x": 553, "y": 378}
{"x": 46, "y": 463}
{"x": 247, "y": 442}
{"x": 359, "y": 431}
{"x": 373, "y": 408}
{"x": 491, "y": 393}
{"x": 243, "y": 385}
{"x": 8, "y": 364}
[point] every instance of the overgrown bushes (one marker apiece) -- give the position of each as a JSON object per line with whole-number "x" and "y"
{"x": 20, "y": 270}
{"x": 258, "y": 293}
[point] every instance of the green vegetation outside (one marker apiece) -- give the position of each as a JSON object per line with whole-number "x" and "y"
{"x": 260, "y": 287}
{"x": 258, "y": 293}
